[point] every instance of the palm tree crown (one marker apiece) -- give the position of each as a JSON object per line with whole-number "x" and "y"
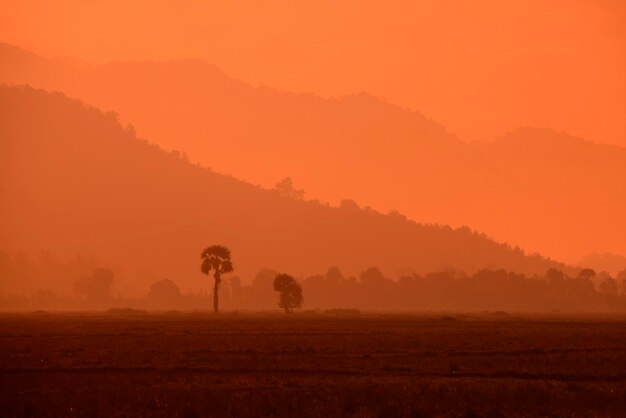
{"x": 216, "y": 258}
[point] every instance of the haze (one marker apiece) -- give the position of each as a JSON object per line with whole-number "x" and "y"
{"x": 401, "y": 208}
{"x": 481, "y": 68}
{"x": 466, "y": 135}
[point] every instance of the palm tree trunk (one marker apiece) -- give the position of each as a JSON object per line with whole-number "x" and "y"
{"x": 215, "y": 295}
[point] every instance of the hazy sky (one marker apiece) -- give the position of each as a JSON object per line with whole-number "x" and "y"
{"x": 480, "y": 67}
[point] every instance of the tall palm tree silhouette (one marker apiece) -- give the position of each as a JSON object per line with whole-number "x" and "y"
{"x": 216, "y": 258}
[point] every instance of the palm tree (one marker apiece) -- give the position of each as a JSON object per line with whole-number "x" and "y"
{"x": 216, "y": 258}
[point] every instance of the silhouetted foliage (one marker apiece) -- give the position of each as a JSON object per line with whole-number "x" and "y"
{"x": 621, "y": 279}
{"x": 66, "y": 140}
{"x": 290, "y": 292}
{"x": 96, "y": 287}
{"x": 165, "y": 292}
{"x": 260, "y": 293}
{"x": 216, "y": 258}
{"x": 587, "y": 274}
{"x": 609, "y": 286}
{"x": 495, "y": 290}
{"x": 286, "y": 188}
{"x": 236, "y": 289}
{"x": 486, "y": 289}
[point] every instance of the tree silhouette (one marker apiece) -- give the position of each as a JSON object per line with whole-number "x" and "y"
{"x": 609, "y": 286}
{"x": 216, "y": 258}
{"x": 290, "y": 292}
{"x": 621, "y": 278}
{"x": 286, "y": 188}
{"x": 165, "y": 292}
{"x": 587, "y": 274}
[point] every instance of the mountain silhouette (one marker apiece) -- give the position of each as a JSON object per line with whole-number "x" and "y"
{"x": 74, "y": 181}
{"x": 536, "y": 188}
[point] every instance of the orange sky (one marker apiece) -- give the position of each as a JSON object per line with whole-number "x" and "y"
{"x": 479, "y": 67}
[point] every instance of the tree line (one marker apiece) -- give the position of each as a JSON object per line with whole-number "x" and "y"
{"x": 371, "y": 289}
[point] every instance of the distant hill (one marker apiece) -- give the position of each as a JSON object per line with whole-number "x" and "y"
{"x": 610, "y": 263}
{"x": 536, "y": 188}
{"x": 74, "y": 181}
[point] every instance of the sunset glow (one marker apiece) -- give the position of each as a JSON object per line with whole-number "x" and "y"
{"x": 399, "y": 208}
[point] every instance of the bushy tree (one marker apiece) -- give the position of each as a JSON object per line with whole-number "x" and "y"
{"x": 216, "y": 258}
{"x": 290, "y": 292}
{"x": 165, "y": 292}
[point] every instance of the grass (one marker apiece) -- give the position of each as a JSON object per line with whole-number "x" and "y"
{"x": 324, "y": 365}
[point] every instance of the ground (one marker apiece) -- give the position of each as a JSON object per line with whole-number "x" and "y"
{"x": 125, "y": 363}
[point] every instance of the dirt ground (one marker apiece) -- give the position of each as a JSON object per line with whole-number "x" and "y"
{"x": 126, "y": 363}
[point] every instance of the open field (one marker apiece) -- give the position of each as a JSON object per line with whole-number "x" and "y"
{"x": 311, "y": 364}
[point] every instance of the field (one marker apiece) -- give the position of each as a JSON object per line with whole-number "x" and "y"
{"x": 311, "y": 364}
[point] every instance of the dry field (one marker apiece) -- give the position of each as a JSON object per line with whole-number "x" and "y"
{"x": 311, "y": 364}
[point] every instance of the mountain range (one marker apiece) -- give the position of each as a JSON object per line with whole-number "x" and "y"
{"x": 537, "y": 188}
{"x": 73, "y": 181}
